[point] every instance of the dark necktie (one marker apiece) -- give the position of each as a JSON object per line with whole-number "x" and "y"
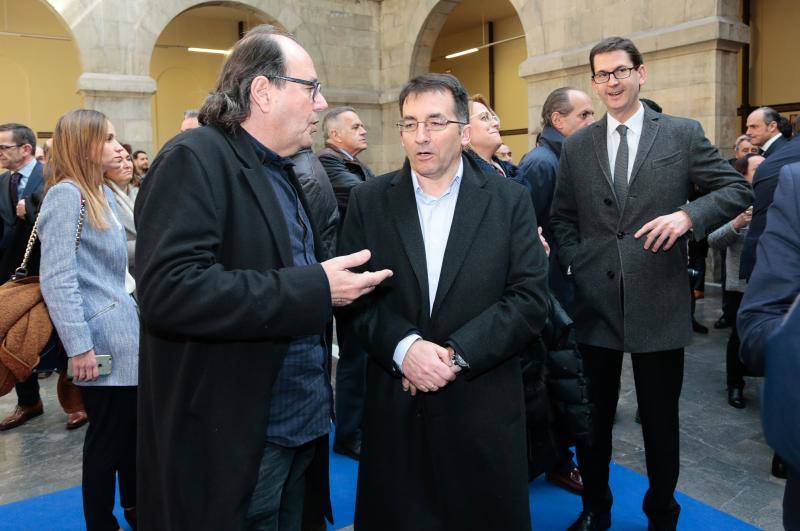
{"x": 15, "y": 177}
{"x": 621, "y": 167}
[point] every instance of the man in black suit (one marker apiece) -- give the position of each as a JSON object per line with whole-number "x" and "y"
{"x": 345, "y": 139}
{"x": 21, "y": 193}
{"x": 234, "y": 388}
{"x": 444, "y": 418}
{"x": 764, "y": 182}
{"x": 765, "y": 131}
{"x": 620, "y": 218}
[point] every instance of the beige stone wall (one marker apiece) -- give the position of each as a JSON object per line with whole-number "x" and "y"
{"x": 366, "y": 50}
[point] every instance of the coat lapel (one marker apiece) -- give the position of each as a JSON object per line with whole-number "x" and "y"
{"x": 403, "y": 209}
{"x": 470, "y": 207}
{"x": 599, "y": 130}
{"x": 34, "y": 181}
{"x": 254, "y": 175}
{"x": 649, "y": 132}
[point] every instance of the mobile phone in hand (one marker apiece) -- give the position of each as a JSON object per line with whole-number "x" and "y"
{"x": 103, "y": 365}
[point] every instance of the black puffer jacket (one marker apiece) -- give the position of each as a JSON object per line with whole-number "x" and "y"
{"x": 321, "y": 199}
{"x": 556, "y": 392}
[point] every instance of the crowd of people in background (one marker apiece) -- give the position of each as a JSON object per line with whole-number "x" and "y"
{"x": 194, "y": 297}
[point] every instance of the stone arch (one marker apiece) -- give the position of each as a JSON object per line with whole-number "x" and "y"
{"x": 284, "y": 14}
{"x": 428, "y": 24}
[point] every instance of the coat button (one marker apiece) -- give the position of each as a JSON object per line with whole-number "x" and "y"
{"x": 620, "y": 235}
{"x": 610, "y": 274}
{"x": 607, "y": 201}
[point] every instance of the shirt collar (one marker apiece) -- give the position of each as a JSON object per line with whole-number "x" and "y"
{"x": 769, "y": 142}
{"x": 343, "y": 152}
{"x": 265, "y": 155}
{"x": 454, "y": 184}
{"x": 634, "y": 123}
{"x": 26, "y": 170}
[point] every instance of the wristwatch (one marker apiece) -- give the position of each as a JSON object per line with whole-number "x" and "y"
{"x": 456, "y": 359}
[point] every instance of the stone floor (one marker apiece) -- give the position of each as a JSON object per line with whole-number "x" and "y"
{"x": 725, "y": 462}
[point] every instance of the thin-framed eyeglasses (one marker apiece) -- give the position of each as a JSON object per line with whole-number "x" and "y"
{"x": 623, "y": 72}
{"x": 6, "y": 147}
{"x": 431, "y": 124}
{"x": 317, "y": 86}
{"x": 487, "y": 116}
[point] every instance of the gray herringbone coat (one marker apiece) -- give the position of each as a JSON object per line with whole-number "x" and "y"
{"x": 627, "y": 298}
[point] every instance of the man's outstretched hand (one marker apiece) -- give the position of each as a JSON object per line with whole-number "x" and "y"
{"x": 347, "y": 286}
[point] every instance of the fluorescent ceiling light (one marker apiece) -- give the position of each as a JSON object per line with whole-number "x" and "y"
{"x": 473, "y": 50}
{"x": 209, "y": 50}
{"x": 459, "y": 54}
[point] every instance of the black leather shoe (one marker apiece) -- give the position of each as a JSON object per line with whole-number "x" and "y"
{"x": 351, "y": 450}
{"x": 779, "y": 467}
{"x": 721, "y": 323}
{"x": 697, "y": 327}
{"x": 736, "y": 397}
{"x": 592, "y": 521}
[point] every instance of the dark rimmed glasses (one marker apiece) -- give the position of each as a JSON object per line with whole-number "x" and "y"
{"x": 6, "y": 147}
{"x": 431, "y": 124}
{"x": 317, "y": 86}
{"x": 623, "y": 72}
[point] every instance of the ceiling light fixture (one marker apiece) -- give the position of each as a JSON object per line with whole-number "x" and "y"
{"x": 209, "y": 50}
{"x": 478, "y": 48}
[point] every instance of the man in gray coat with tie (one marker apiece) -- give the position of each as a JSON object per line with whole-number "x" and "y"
{"x": 621, "y": 219}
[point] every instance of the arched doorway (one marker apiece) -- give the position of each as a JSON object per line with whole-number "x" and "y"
{"x": 483, "y": 45}
{"x": 187, "y": 58}
{"x": 41, "y": 66}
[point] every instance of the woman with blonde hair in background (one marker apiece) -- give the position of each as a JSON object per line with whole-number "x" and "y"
{"x": 87, "y": 289}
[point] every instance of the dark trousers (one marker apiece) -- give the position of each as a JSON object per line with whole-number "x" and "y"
{"x": 28, "y": 391}
{"x": 734, "y": 368}
{"x": 791, "y": 502}
{"x": 109, "y": 450}
{"x": 659, "y": 378}
{"x": 277, "y": 501}
{"x": 351, "y": 382}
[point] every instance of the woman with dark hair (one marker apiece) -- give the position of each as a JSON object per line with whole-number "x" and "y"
{"x": 120, "y": 181}
{"x": 730, "y": 238}
{"x": 87, "y": 289}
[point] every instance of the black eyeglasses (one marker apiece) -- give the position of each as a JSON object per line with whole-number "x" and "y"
{"x": 316, "y": 84}
{"x": 431, "y": 124}
{"x": 623, "y": 72}
{"x": 4, "y": 147}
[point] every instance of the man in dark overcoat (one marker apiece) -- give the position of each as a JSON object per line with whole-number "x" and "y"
{"x": 444, "y": 422}
{"x": 620, "y": 218}
{"x": 234, "y": 393}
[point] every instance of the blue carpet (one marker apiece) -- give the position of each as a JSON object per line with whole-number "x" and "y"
{"x": 552, "y": 508}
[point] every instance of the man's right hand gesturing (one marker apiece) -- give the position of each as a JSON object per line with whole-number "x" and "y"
{"x": 347, "y": 286}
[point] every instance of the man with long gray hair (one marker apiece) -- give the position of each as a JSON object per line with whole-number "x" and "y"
{"x": 234, "y": 394}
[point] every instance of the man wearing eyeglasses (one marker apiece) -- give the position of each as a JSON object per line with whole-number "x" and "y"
{"x": 621, "y": 219}
{"x": 444, "y": 421}
{"x": 235, "y": 300}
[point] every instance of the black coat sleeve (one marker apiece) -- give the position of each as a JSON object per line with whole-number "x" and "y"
{"x": 184, "y": 288}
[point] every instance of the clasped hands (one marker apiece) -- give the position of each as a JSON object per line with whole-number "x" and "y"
{"x": 428, "y": 367}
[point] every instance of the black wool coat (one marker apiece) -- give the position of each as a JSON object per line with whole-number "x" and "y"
{"x": 219, "y": 303}
{"x": 452, "y": 460}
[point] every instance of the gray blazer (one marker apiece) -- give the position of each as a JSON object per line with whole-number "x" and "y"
{"x": 728, "y": 239}
{"x": 611, "y": 269}
{"x": 85, "y": 291}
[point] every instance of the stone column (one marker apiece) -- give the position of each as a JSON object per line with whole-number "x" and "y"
{"x": 125, "y": 99}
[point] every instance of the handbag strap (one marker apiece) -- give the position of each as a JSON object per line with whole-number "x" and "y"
{"x": 22, "y": 270}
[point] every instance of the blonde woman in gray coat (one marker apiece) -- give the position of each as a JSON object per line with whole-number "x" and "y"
{"x": 90, "y": 304}
{"x": 119, "y": 181}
